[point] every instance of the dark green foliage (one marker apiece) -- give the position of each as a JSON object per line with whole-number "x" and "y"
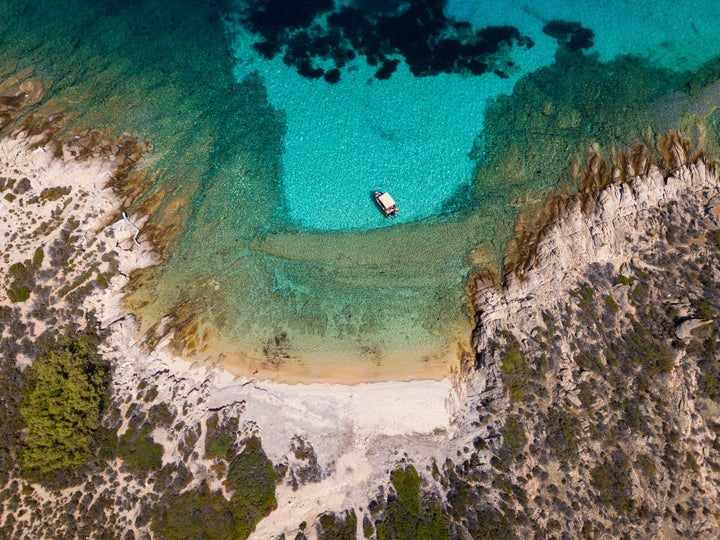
{"x": 23, "y": 277}
{"x": 488, "y": 523}
{"x": 611, "y": 304}
{"x": 589, "y": 362}
{"x": 648, "y": 351}
{"x": 368, "y": 528}
{"x": 408, "y": 516}
{"x": 202, "y": 514}
{"x": 252, "y": 476}
{"x": 160, "y": 415}
{"x": 640, "y": 347}
{"x": 563, "y": 434}
{"x": 691, "y": 462}
{"x": 54, "y": 193}
{"x": 338, "y": 527}
{"x": 22, "y": 187}
{"x": 714, "y": 237}
{"x": 703, "y": 308}
{"x": 67, "y": 390}
{"x": 514, "y": 438}
{"x": 515, "y": 370}
{"x": 107, "y": 441}
{"x": 18, "y": 293}
{"x": 197, "y": 514}
{"x": 705, "y": 348}
{"x": 586, "y": 298}
{"x": 13, "y": 383}
{"x": 219, "y": 439}
{"x": 138, "y": 449}
{"x": 38, "y": 258}
{"x": 23, "y": 281}
{"x": 150, "y": 394}
{"x": 612, "y": 483}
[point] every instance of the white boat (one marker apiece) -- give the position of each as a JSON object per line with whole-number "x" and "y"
{"x": 386, "y": 203}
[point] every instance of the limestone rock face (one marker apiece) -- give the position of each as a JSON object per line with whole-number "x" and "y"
{"x": 606, "y": 342}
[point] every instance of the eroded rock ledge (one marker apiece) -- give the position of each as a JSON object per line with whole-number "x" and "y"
{"x": 595, "y": 399}
{"x": 615, "y": 225}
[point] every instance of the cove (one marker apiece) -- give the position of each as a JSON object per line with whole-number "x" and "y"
{"x": 465, "y": 137}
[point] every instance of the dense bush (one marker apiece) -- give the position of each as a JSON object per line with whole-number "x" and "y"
{"x": 612, "y": 483}
{"x": 220, "y": 438}
{"x": 204, "y": 514}
{"x": 408, "y": 516}
{"x": 197, "y": 513}
{"x": 252, "y": 476}
{"x": 338, "y": 527}
{"x": 563, "y": 434}
{"x": 138, "y": 449}
{"x": 67, "y": 391}
{"x": 514, "y": 438}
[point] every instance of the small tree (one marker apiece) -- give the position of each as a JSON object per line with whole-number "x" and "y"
{"x": 67, "y": 390}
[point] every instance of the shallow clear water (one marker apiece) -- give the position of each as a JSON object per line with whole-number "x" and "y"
{"x": 268, "y": 165}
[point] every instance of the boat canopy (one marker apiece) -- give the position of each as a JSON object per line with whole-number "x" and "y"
{"x": 386, "y": 200}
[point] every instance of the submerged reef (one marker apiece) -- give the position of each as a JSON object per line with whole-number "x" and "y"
{"x": 570, "y": 34}
{"x": 321, "y": 39}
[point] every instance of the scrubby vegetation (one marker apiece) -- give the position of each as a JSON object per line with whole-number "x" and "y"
{"x": 338, "y": 527}
{"x": 67, "y": 392}
{"x": 201, "y": 513}
{"x": 407, "y": 514}
{"x": 515, "y": 369}
{"x": 138, "y": 449}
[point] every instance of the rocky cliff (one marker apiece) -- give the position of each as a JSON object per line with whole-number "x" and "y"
{"x": 594, "y": 400}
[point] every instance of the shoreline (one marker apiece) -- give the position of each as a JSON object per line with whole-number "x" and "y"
{"x": 402, "y": 366}
{"x": 354, "y": 422}
{"x": 356, "y": 433}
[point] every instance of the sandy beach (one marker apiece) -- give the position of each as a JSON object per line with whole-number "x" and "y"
{"x": 358, "y": 430}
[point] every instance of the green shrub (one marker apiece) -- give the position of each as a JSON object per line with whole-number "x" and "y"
{"x": 68, "y": 389}
{"x": 202, "y": 514}
{"x": 514, "y": 437}
{"x": 219, "y": 441}
{"x": 691, "y": 462}
{"x": 18, "y": 293}
{"x": 589, "y": 362}
{"x": 646, "y": 463}
{"x": 338, "y": 527}
{"x": 563, "y": 434}
{"x": 611, "y": 304}
{"x": 612, "y": 482}
{"x": 516, "y": 371}
{"x": 586, "y": 298}
{"x": 409, "y": 517}
{"x": 648, "y": 351}
{"x": 138, "y": 449}
{"x": 197, "y": 513}
{"x": 252, "y": 477}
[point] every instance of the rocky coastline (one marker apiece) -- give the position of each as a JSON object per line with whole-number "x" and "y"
{"x": 593, "y": 396}
{"x": 590, "y": 408}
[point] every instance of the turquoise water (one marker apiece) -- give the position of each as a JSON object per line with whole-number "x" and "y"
{"x": 413, "y": 136}
{"x": 271, "y": 128}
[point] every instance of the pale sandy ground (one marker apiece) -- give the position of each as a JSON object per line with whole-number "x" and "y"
{"x": 359, "y": 432}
